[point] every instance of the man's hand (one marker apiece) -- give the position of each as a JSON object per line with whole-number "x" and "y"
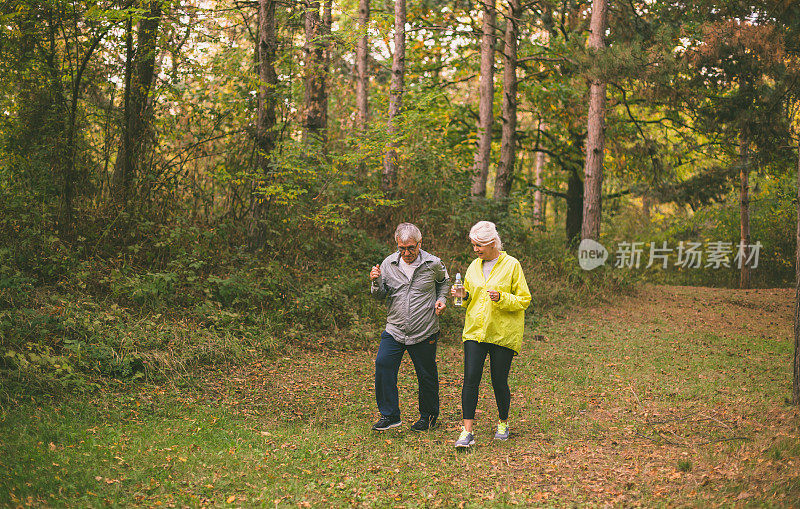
{"x": 375, "y": 273}
{"x": 439, "y": 307}
{"x": 494, "y": 295}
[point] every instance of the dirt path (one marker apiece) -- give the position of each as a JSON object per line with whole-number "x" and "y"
{"x": 719, "y": 432}
{"x": 767, "y": 312}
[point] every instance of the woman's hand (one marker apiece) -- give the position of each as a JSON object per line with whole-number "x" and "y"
{"x": 494, "y": 295}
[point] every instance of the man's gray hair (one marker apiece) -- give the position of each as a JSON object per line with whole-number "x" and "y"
{"x": 485, "y": 233}
{"x": 406, "y": 232}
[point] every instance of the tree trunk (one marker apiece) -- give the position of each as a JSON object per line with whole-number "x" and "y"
{"x": 389, "y": 175}
{"x": 70, "y": 150}
{"x": 744, "y": 210}
{"x": 538, "y": 196}
{"x": 314, "y": 49}
{"x": 554, "y": 208}
{"x": 122, "y": 168}
{"x": 575, "y": 209}
{"x": 362, "y": 69}
{"x": 139, "y": 77}
{"x": 327, "y": 24}
{"x": 543, "y": 222}
{"x": 796, "y": 370}
{"x": 595, "y": 136}
{"x": 485, "y": 114}
{"x": 266, "y": 120}
{"x": 508, "y": 144}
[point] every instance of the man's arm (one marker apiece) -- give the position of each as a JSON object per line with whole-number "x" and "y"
{"x": 377, "y": 287}
{"x": 442, "y": 282}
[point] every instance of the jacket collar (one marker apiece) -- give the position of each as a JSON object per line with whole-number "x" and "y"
{"x": 502, "y": 255}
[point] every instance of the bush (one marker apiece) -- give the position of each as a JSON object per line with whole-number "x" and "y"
{"x": 772, "y": 223}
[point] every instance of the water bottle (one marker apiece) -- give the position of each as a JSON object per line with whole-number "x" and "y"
{"x": 458, "y": 285}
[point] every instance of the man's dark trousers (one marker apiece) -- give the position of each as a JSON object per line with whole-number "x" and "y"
{"x": 387, "y": 364}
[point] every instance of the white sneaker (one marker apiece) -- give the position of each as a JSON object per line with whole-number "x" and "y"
{"x": 502, "y": 431}
{"x": 465, "y": 440}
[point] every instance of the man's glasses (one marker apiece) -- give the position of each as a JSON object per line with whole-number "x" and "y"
{"x": 409, "y": 249}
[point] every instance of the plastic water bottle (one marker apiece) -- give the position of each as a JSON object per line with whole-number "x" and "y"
{"x": 458, "y": 285}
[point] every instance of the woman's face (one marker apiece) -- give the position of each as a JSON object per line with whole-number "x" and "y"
{"x": 485, "y": 252}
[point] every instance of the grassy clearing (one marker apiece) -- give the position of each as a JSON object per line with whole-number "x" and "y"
{"x": 670, "y": 396}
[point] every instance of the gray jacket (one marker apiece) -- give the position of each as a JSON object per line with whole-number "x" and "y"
{"x": 410, "y": 316}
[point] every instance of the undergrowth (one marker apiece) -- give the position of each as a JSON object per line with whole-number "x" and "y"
{"x": 75, "y": 315}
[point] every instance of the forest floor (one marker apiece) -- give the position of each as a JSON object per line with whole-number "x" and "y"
{"x": 670, "y": 396}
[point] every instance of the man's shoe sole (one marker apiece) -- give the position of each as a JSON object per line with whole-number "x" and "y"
{"x": 462, "y": 446}
{"x": 393, "y": 425}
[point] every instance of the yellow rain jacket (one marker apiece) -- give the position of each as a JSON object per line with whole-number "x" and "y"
{"x": 500, "y": 322}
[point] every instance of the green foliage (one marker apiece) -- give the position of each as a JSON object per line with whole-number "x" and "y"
{"x": 160, "y": 282}
{"x": 772, "y": 223}
{"x": 14, "y": 285}
{"x": 150, "y": 289}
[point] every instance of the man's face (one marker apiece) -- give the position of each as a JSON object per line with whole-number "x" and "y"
{"x": 409, "y": 249}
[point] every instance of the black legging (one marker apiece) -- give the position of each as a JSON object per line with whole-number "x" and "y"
{"x": 499, "y": 365}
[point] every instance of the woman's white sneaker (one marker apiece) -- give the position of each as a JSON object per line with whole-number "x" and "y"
{"x": 465, "y": 440}
{"x": 502, "y": 431}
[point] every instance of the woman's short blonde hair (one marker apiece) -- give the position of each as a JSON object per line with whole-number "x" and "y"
{"x": 485, "y": 233}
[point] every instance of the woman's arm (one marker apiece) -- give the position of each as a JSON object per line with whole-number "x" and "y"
{"x": 520, "y": 296}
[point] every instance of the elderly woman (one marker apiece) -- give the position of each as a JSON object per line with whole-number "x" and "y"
{"x": 496, "y": 295}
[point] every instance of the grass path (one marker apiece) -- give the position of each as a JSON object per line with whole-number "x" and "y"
{"x": 674, "y": 395}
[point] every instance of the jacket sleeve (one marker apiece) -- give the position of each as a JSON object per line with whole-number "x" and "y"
{"x": 377, "y": 288}
{"x": 520, "y": 296}
{"x": 442, "y": 279}
{"x": 469, "y": 287}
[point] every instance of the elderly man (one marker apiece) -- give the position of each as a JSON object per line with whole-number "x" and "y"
{"x": 415, "y": 285}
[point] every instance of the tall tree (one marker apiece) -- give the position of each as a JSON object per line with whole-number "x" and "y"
{"x": 796, "y": 364}
{"x": 485, "y": 113}
{"x": 140, "y": 69}
{"x": 327, "y": 23}
{"x": 362, "y": 68}
{"x": 67, "y": 42}
{"x": 595, "y": 135}
{"x": 538, "y": 180}
{"x": 315, "y": 117}
{"x": 265, "y": 137}
{"x": 508, "y": 143}
{"x": 742, "y": 73}
{"x": 396, "y": 88}
{"x": 744, "y": 208}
